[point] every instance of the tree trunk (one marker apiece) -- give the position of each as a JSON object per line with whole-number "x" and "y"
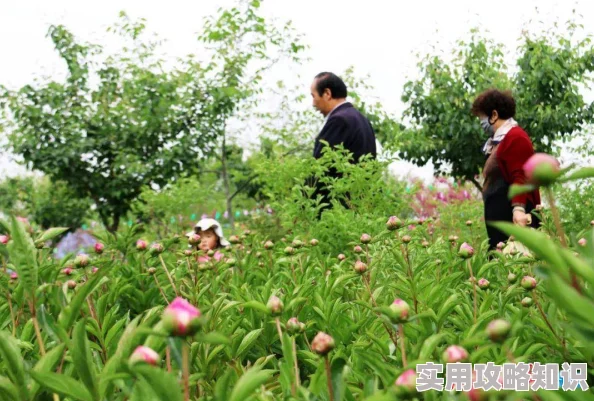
{"x": 115, "y": 224}
{"x": 226, "y": 183}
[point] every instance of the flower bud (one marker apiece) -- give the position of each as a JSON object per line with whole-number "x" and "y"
{"x": 341, "y": 257}
{"x": 188, "y": 252}
{"x": 141, "y": 245}
{"x": 360, "y": 267}
{"x": 541, "y": 169}
{"x": 592, "y": 223}
{"x": 94, "y": 269}
{"x": 425, "y": 244}
{"x": 289, "y": 251}
{"x": 498, "y": 330}
{"x": 210, "y": 253}
{"x": 194, "y": 239}
{"x": 468, "y": 223}
{"x": 4, "y": 239}
{"x": 406, "y": 239}
{"x": 322, "y": 344}
{"x": 71, "y": 284}
{"x": 275, "y": 306}
{"x": 14, "y": 276}
{"x": 500, "y": 245}
{"x": 528, "y": 283}
{"x": 483, "y": 284}
{"x": 512, "y": 278}
{"x": 357, "y": 249}
{"x": 234, "y": 239}
{"x": 293, "y": 326}
{"x": 365, "y": 239}
{"x": 144, "y": 354}
{"x": 181, "y": 318}
{"x": 393, "y": 223}
{"x": 582, "y": 242}
{"x": 453, "y": 238}
{"x": 454, "y": 354}
{"x": 466, "y": 251}
{"x": 407, "y": 381}
{"x": 99, "y": 248}
{"x": 67, "y": 271}
{"x": 260, "y": 264}
{"x": 268, "y": 245}
{"x": 247, "y": 232}
{"x": 81, "y": 260}
{"x": 314, "y": 242}
{"x": 527, "y": 302}
{"x": 152, "y": 270}
{"x": 539, "y": 207}
{"x": 399, "y": 310}
{"x": 156, "y": 249}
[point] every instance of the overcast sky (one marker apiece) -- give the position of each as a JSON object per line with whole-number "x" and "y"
{"x": 379, "y": 38}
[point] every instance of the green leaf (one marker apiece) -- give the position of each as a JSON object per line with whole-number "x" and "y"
{"x": 23, "y": 255}
{"x": 430, "y": 345}
{"x": 517, "y": 189}
{"x": 80, "y": 352}
{"x": 214, "y": 338}
{"x": 224, "y": 385}
{"x": 337, "y": 369}
{"x": 584, "y": 172}
{"x": 249, "y": 382}
{"x": 8, "y": 391}
{"x": 247, "y": 342}
{"x": 47, "y": 363}
{"x": 164, "y": 384}
{"x": 9, "y": 350}
{"x": 68, "y": 315}
{"x": 50, "y": 234}
{"x": 62, "y": 384}
{"x": 256, "y": 305}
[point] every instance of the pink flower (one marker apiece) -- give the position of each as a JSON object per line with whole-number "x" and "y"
{"x": 541, "y": 169}
{"x": 407, "y": 380}
{"x": 81, "y": 260}
{"x": 582, "y": 242}
{"x": 455, "y": 353}
{"x": 4, "y": 239}
{"x": 399, "y": 311}
{"x": 14, "y": 276}
{"x": 483, "y": 284}
{"x": 275, "y": 306}
{"x": 141, "y": 245}
{"x": 360, "y": 267}
{"x": 144, "y": 354}
{"x": 322, "y": 343}
{"x": 466, "y": 251}
{"x": 341, "y": 257}
{"x": 193, "y": 239}
{"x": 357, "y": 249}
{"x": 94, "y": 270}
{"x": 393, "y": 223}
{"x": 180, "y": 317}
{"x": 365, "y": 239}
{"x": 67, "y": 271}
{"x": 218, "y": 256}
{"x": 99, "y": 248}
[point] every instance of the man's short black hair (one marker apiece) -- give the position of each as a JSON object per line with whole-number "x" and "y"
{"x": 328, "y": 80}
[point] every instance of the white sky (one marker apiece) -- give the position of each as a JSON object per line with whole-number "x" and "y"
{"x": 378, "y": 37}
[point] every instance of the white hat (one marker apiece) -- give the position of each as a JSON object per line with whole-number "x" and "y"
{"x": 206, "y": 224}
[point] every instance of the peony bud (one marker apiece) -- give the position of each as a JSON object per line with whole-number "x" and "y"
{"x": 194, "y": 239}
{"x": 156, "y": 249}
{"x": 94, "y": 270}
{"x": 406, "y": 239}
{"x": 511, "y": 278}
{"x": 180, "y": 318}
{"x": 357, "y": 249}
{"x": 453, "y": 238}
{"x": 289, "y": 251}
{"x": 81, "y": 260}
{"x": 67, "y": 271}
{"x": 247, "y": 232}
{"x": 234, "y": 239}
{"x": 592, "y": 223}
{"x": 152, "y": 270}
{"x": 582, "y": 242}
{"x": 483, "y": 284}
{"x": 454, "y": 354}
{"x": 498, "y": 330}
{"x": 314, "y": 242}
{"x": 400, "y": 310}
{"x": 500, "y": 245}
{"x": 528, "y": 283}
{"x": 466, "y": 251}
{"x": 425, "y": 244}
{"x": 4, "y": 239}
{"x": 407, "y": 381}
{"x": 258, "y": 255}
{"x": 99, "y": 248}
{"x": 393, "y": 223}
{"x": 144, "y": 354}
{"x": 472, "y": 280}
{"x": 365, "y": 239}
{"x": 71, "y": 284}
{"x": 14, "y": 276}
{"x": 542, "y": 169}
{"x": 188, "y": 252}
{"x": 293, "y": 326}
{"x": 360, "y": 267}
{"x": 468, "y": 223}
{"x": 275, "y": 306}
{"x": 341, "y": 257}
{"x": 141, "y": 245}
{"x": 268, "y": 245}
{"x": 527, "y": 302}
{"x": 210, "y": 253}
{"x": 322, "y": 343}
{"x": 260, "y": 264}
{"x": 297, "y": 244}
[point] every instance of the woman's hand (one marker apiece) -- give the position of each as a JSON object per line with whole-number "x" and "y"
{"x": 520, "y": 218}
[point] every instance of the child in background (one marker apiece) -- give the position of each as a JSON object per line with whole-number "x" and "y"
{"x": 211, "y": 239}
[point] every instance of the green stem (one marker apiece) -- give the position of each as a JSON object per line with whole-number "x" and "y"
{"x": 402, "y": 345}
{"x": 329, "y": 378}
{"x": 473, "y": 279}
{"x": 168, "y": 275}
{"x": 296, "y": 383}
{"x": 186, "y": 369}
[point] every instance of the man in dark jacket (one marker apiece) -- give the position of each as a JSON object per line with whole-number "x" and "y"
{"x": 344, "y": 125}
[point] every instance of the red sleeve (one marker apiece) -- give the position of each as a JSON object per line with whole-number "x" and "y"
{"x": 512, "y": 155}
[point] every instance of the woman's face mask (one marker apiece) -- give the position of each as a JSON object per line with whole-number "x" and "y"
{"x": 487, "y": 126}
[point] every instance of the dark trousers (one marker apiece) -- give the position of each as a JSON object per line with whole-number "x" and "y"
{"x": 498, "y": 208}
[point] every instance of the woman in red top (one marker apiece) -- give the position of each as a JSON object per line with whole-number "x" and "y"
{"x": 506, "y": 151}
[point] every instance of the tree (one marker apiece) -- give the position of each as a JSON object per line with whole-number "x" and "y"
{"x": 117, "y": 123}
{"x": 546, "y": 85}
